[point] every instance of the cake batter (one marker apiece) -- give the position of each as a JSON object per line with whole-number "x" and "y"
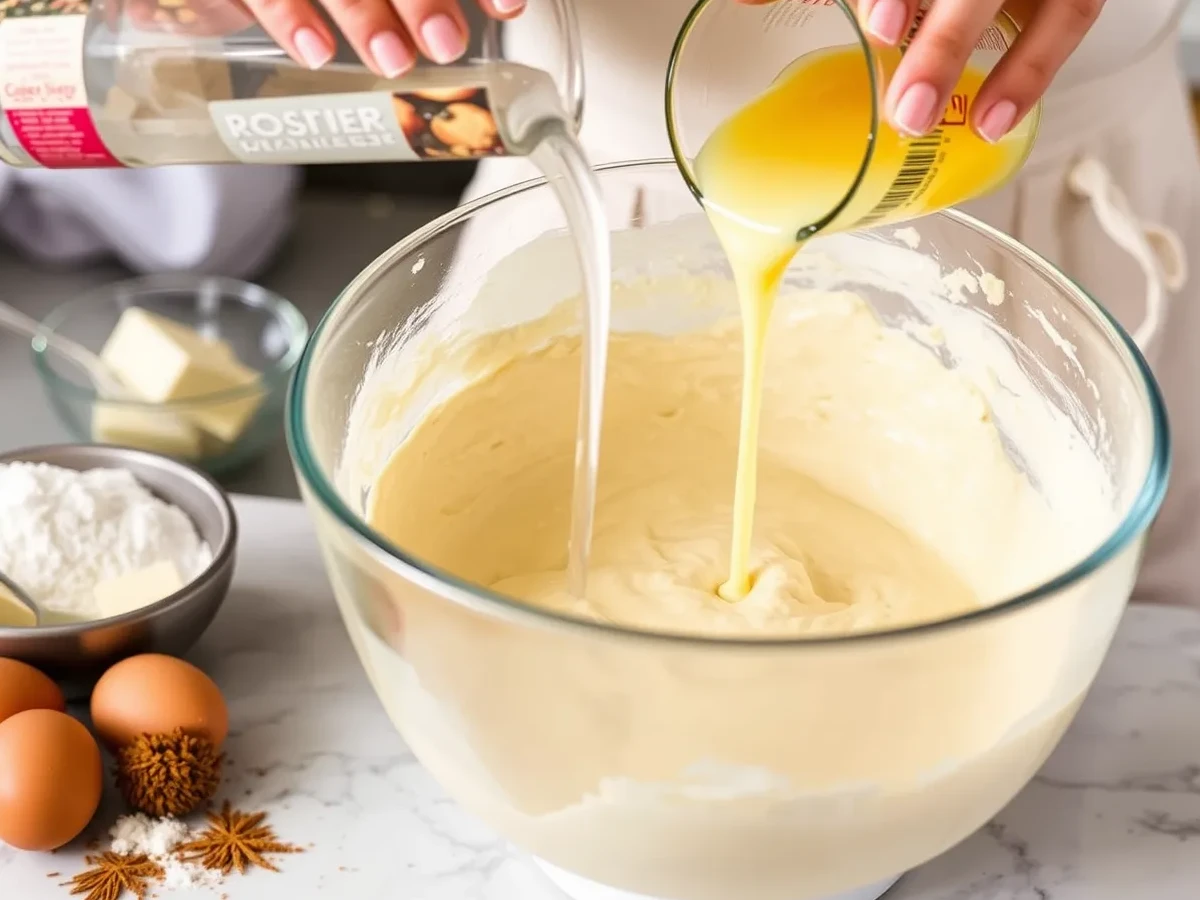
{"x": 862, "y": 490}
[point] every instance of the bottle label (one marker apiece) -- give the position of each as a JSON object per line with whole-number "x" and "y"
{"x": 371, "y": 126}
{"x": 42, "y": 86}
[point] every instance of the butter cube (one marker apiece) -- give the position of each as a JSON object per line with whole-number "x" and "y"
{"x": 160, "y": 360}
{"x": 136, "y": 323}
{"x": 196, "y": 343}
{"x": 137, "y": 589}
{"x": 158, "y": 432}
{"x": 226, "y": 421}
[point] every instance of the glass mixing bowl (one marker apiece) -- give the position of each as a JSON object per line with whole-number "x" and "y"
{"x": 636, "y": 763}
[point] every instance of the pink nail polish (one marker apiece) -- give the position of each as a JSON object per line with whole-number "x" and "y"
{"x": 391, "y": 54}
{"x": 886, "y": 21}
{"x": 997, "y": 121}
{"x": 916, "y": 108}
{"x": 508, "y": 7}
{"x": 313, "y": 49}
{"x": 443, "y": 38}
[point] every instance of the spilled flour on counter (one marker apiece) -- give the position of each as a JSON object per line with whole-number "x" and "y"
{"x": 158, "y": 839}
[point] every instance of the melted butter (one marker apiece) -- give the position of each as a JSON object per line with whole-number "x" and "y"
{"x": 788, "y": 160}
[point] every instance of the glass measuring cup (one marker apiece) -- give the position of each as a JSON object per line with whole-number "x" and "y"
{"x": 813, "y": 149}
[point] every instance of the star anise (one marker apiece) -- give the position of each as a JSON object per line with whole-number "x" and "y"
{"x": 110, "y": 874}
{"x": 235, "y": 840}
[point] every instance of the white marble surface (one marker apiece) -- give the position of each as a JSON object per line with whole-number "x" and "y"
{"x": 1114, "y": 815}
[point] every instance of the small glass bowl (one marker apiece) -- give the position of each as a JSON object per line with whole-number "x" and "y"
{"x": 266, "y": 332}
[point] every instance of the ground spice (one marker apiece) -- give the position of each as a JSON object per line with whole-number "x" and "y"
{"x": 235, "y": 840}
{"x": 168, "y": 774}
{"x": 110, "y": 874}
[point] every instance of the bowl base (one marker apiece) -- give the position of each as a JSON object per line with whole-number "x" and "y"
{"x": 579, "y": 888}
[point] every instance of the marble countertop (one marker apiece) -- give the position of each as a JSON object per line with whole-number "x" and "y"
{"x": 1115, "y": 814}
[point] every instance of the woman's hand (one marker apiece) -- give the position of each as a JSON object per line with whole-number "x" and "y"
{"x": 387, "y": 34}
{"x": 921, "y": 87}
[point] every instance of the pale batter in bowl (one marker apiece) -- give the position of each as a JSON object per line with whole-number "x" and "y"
{"x": 885, "y": 498}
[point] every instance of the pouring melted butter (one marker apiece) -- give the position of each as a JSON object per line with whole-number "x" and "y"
{"x": 788, "y": 160}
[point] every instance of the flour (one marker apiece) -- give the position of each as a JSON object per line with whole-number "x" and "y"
{"x": 179, "y": 875}
{"x": 62, "y": 532}
{"x": 140, "y": 835}
{"x": 159, "y": 839}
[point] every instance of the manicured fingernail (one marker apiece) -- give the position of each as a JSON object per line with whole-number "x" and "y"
{"x": 443, "y": 38}
{"x": 507, "y": 7}
{"x": 313, "y": 49}
{"x": 997, "y": 121}
{"x": 914, "y": 113}
{"x": 391, "y": 54}
{"x": 886, "y": 21}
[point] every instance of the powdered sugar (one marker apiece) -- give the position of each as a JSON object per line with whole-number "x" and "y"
{"x": 62, "y": 532}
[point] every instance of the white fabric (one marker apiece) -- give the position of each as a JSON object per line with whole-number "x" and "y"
{"x": 225, "y": 220}
{"x": 1156, "y": 249}
{"x": 1125, "y": 29}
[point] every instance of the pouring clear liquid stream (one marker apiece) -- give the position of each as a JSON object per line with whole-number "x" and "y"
{"x": 561, "y": 158}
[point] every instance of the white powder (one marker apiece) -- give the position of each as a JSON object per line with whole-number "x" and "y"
{"x": 62, "y": 532}
{"x": 140, "y": 835}
{"x": 179, "y": 875}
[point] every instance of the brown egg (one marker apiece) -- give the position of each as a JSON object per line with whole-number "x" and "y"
{"x": 50, "y": 779}
{"x": 23, "y": 687}
{"x": 155, "y": 694}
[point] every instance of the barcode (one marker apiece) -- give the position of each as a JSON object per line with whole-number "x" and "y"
{"x": 920, "y": 158}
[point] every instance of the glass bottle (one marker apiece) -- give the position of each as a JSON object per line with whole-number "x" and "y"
{"x": 167, "y": 82}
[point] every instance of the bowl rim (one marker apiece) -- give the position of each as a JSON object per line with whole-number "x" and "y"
{"x": 113, "y": 456}
{"x": 248, "y": 293}
{"x": 1140, "y": 514}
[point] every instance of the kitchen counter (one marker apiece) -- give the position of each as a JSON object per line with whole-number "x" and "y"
{"x": 1114, "y": 815}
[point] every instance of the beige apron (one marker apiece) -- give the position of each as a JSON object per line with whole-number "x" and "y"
{"x": 1112, "y": 197}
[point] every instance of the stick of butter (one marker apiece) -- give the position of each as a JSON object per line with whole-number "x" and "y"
{"x": 161, "y": 360}
{"x": 137, "y": 589}
{"x": 154, "y": 361}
